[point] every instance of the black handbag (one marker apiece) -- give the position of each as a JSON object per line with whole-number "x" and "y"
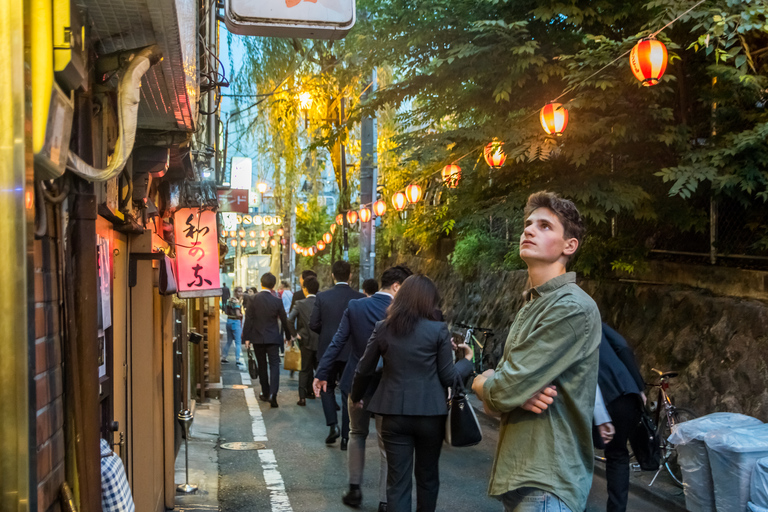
{"x": 461, "y": 425}
{"x": 645, "y": 442}
{"x": 253, "y": 369}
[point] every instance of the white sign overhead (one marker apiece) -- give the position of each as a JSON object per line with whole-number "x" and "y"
{"x": 310, "y": 19}
{"x": 242, "y": 171}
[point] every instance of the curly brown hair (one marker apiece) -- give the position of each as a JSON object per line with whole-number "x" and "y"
{"x": 564, "y": 209}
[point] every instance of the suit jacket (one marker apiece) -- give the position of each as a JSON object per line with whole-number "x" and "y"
{"x": 300, "y": 314}
{"x": 354, "y": 330}
{"x": 261, "y": 317}
{"x": 297, "y": 296}
{"x": 326, "y": 315}
{"x": 417, "y": 370}
{"x": 618, "y": 373}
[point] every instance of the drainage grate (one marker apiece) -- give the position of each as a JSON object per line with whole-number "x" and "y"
{"x": 240, "y": 446}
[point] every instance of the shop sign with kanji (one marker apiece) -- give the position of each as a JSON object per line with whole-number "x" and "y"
{"x": 197, "y": 253}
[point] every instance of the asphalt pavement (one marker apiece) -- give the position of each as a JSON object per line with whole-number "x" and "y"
{"x": 297, "y": 472}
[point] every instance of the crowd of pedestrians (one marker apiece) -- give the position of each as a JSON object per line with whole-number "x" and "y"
{"x": 393, "y": 360}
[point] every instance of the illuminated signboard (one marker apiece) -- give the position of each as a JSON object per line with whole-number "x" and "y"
{"x": 233, "y": 200}
{"x": 310, "y": 19}
{"x": 242, "y": 171}
{"x": 197, "y": 253}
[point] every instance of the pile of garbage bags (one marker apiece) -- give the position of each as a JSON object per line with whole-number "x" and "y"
{"x": 724, "y": 461}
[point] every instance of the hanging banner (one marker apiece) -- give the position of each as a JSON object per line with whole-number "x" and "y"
{"x": 197, "y": 253}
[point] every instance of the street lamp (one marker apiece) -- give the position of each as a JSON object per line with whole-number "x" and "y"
{"x": 305, "y": 99}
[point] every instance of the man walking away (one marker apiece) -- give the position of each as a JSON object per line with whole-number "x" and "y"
{"x": 233, "y": 308}
{"x": 261, "y": 329}
{"x": 546, "y": 460}
{"x": 300, "y": 293}
{"x": 326, "y": 317}
{"x": 286, "y": 295}
{"x": 356, "y": 327}
{"x": 370, "y": 286}
{"x": 301, "y": 313}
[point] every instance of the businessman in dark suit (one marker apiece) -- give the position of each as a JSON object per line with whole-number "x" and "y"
{"x": 326, "y": 317}
{"x": 356, "y": 327}
{"x": 261, "y": 329}
{"x": 299, "y": 295}
{"x": 301, "y": 313}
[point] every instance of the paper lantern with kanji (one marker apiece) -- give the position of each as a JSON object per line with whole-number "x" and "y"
{"x": 413, "y": 193}
{"x": 554, "y": 118}
{"x": 333, "y": 229}
{"x": 379, "y": 208}
{"x": 648, "y": 61}
{"x": 339, "y": 219}
{"x": 241, "y": 233}
{"x": 494, "y": 154}
{"x": 320, "y": 245}
{"x": 252, "y": 243}
{"x": 399, "y": 201}
{"x": 351, "y": 217}
{"x": 327, "y": 238}
{"x": 451, "y": 175}
{"x": 365, "y": 214}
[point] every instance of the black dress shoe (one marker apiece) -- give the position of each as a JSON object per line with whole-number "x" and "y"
{"x": 311, "y": 396}
{"x": 273, "y": 402}
{"x": 333, "y": 435}
{"x": 302, "y": 402}
{"x": 263, "y": 397}
{"x": 344, "y": 442}
{"x": 352, "y": 498}
{"x": 382, "y": 507}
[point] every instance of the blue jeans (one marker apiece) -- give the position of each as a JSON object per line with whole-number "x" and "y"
{"x": 234, "y": 335}
{"x": 530, "y": 499}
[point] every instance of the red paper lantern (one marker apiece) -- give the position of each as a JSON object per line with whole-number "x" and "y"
{"x": 451, "y": 175}
{"x": 413, "y": 193}
{"x": 648, "y": 61}
{"x": 399, "y": 201}
{"x": 333, "y": 229}
{"x": 327, "y": 238}
{"x": 339, "y": 219}
{"x": 554, "y": 118}
{"x": 494, "y": 154}
{"x": 365, "y": 214}
{"x": 351, "y": 217}
{"x": 270, "y": 232}
{"x": 379, "y": 208}
{"x": 320, "y": 245}
{"x": 283, "y": 241}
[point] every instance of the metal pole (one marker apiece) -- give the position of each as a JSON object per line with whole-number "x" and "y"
{"x": 368, "y": 179}
{"x": 212, "y": 65}
{"x": 344, "y": 187}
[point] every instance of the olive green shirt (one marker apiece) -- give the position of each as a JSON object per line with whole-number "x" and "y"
{"x": 553, "y": 340}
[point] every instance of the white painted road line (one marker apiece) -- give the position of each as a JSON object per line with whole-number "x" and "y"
{"x": 274, "y": 480}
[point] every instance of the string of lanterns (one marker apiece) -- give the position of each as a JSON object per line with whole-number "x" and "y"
{"x": 648, "y": 62}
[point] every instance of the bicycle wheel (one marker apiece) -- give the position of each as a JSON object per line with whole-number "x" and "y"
{"x": 668, "y": 451}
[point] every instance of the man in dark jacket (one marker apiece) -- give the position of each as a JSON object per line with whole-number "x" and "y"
{"x": 326, "y": 317}
{"x": 301, "y": 313}
{"x": 356, "y": 327}
{"x": 261, "y": 329}
{"x": 622, "y": 388}
{"x": 299, "y": 295}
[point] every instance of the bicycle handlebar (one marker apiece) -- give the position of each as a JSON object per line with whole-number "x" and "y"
{"x": 467, "y": 326}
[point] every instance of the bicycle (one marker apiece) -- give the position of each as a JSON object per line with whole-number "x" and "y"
{"x": 479, "y": 356}
{"x": 666, "y": 416}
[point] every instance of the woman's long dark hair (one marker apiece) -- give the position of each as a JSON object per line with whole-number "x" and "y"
{"x": 417, "y": 298}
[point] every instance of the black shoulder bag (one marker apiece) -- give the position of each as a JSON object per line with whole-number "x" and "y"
{"x": 461, "y": 426}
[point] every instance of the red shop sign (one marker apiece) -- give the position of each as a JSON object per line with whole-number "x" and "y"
{"x": 197, "y": 253}
{"x": 233, "y": 200}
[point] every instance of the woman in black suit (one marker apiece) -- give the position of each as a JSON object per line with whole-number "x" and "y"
{"x": 411, "y": 397}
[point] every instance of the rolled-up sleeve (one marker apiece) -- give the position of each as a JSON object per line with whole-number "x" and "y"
{"x": 539, "y": 359}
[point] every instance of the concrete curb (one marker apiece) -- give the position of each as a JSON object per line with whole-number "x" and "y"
{"x": 655, "y": 494}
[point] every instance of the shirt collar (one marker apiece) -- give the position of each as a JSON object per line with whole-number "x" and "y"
{"x": 342, "y": 282}
{"x": 385, "y": 293}
{"x": 550, "y": 286}
{"x": 310, "y": 295}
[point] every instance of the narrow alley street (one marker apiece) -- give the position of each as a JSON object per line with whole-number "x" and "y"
{"x": 296, "y": 471}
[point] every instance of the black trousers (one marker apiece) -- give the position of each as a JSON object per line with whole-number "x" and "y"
{"x": 269, "y": 382}
{"x": 625, "y": 414}
{"x": 328, "y": 399}
{"x": 307, "y": 373}
{"x": 404, "y": 437}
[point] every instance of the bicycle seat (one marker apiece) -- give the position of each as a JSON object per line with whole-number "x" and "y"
{"x": 665, "y": 375}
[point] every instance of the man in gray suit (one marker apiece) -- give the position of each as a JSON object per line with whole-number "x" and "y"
{"x": 299, "y": 316}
